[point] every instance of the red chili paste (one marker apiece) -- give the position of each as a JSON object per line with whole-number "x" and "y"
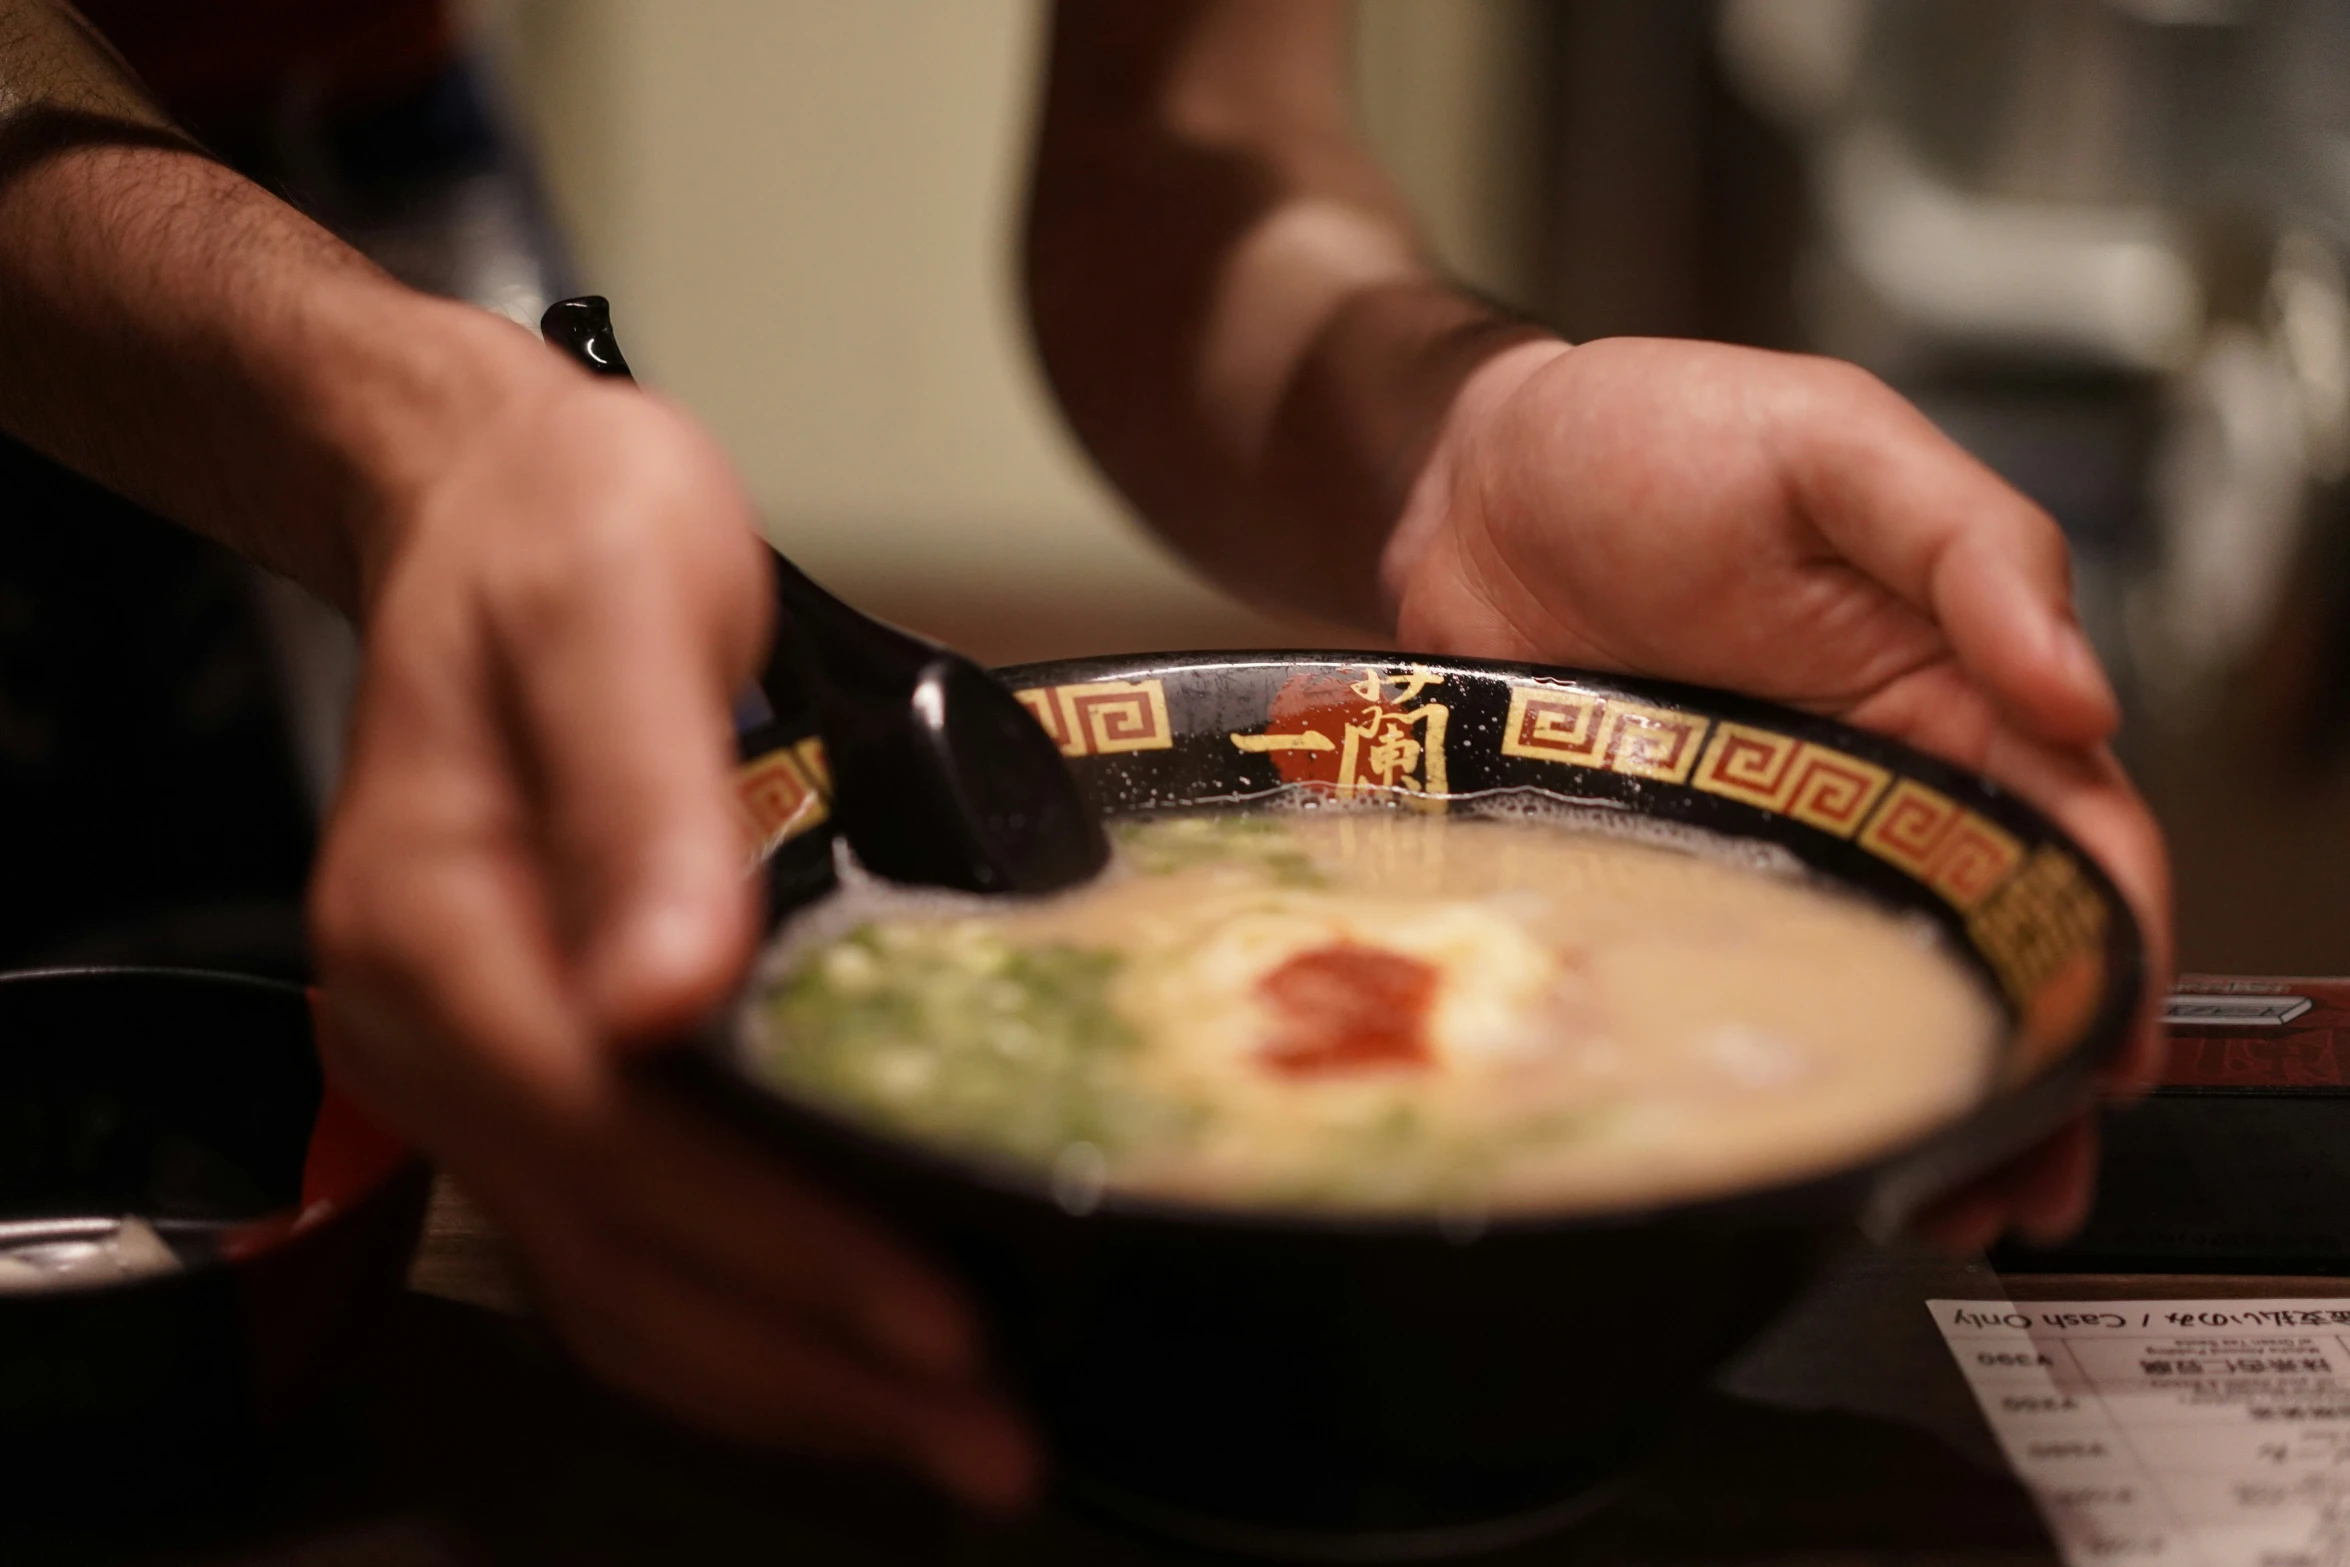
{"x": 1347, "y": 1007}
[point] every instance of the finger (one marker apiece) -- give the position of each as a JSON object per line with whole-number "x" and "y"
{"x": 2051, "y": 1188}
{"x": 459, "y": 1022}
{"x": 458, "y": 1028}
{"x": 623, "y": 638}
{"x": 428, "y": 915}
{"x": 726, "y": 1211}
{"x": 1966, "y": 1221}
{"x": 742, "y": 1373}
{"x": 2044, "y": 1193}
{"x": 2088, "y": 795}
{"x": 1909, "y": 507}
{"x": 2083, "y": 790}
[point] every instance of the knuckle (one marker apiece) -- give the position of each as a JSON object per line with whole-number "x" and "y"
{"x": 365, "y": 926}
{"x": 542, "y": 581}
{"x": 342, "y": 920}
{"x": 2038, "y": 545}
{"x": 647, "y": 539}
{"x": 612, "y": 506}
{"x": 1852, "y": 385}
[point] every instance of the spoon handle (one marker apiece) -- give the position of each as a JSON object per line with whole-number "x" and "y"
{"x": 582, "y": 328}
{"x": 854, "y": 647}
{"x": 939, "y": 775}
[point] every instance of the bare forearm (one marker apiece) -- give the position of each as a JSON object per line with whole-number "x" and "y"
{"x": 189, "y": 340}
{"x": 1229, "y": 298}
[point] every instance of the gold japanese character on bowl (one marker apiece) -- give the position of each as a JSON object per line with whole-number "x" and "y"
{"x": 1380, "y": 732}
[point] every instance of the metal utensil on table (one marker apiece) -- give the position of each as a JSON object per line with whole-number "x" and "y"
{"x": 939, "y": 776}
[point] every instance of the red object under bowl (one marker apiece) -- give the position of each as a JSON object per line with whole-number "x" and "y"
{"x": 195, "y": 1101}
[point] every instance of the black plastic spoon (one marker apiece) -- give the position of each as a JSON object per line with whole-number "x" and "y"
{"x": 939, "y": 775}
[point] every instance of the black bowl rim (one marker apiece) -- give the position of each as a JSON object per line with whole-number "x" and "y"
{"x": 178, "y": 1278}
{"x": 1898, "y": 1178}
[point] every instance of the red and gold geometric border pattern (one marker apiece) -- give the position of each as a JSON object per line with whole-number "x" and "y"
{"x": 1558, "y": 724}
{"x": 2045, "y": 919}
{"x": 1958, "y": 853}
{"x": 783, "y": 794}
{"x": 1961, "y": 854}
{"x": 1104, "y": 717}
{"x": 1817, "y": 786}
{"x": 2030, "y": 915}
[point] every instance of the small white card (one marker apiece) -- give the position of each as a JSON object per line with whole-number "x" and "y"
{"x": 2210, "y": 1432}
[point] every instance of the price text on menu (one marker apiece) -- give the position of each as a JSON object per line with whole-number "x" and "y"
{"x": 2206, "y": 1432}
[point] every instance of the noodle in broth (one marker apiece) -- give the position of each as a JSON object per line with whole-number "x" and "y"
{"x": 1385, "y": 1011}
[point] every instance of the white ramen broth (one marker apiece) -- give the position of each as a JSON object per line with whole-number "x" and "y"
{"x": 1385, "y": 1011}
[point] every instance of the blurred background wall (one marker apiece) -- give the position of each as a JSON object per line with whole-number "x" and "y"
{"x": 805, "y": 211}
{"x": 2100, "y": 241}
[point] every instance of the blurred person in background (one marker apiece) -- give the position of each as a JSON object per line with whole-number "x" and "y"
{"x": 532, "y": 867}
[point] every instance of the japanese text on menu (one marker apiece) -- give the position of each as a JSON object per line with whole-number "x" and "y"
{"x": 2189, "y": 1431}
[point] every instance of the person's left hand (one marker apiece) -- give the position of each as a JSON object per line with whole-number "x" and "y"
{"x": 1791, "y": 528}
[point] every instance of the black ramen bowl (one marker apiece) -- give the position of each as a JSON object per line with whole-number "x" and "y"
{"x": 193, "y": 1102}
{"x": 1384, "y": 1387}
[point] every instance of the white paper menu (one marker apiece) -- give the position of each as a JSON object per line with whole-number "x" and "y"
{"x": 2211, "y": 1432}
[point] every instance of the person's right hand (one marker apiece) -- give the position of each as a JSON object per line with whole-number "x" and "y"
{"x": 1789, "y": 527}
{"x": 534, "y": 870}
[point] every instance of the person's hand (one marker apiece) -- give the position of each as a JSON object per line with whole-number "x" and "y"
{"x": 534, "y": 869}
{"x": 1791, "y": 528}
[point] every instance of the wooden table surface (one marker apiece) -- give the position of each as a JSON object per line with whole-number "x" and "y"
{"x": 1846, "y": 1437}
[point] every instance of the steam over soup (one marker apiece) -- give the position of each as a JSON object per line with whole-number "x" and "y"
{"x": 1384, "y": 1011}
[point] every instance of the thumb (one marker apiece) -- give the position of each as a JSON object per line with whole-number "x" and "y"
{"x": 627, "y": 716}
{"x": 1907, "y": 506}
